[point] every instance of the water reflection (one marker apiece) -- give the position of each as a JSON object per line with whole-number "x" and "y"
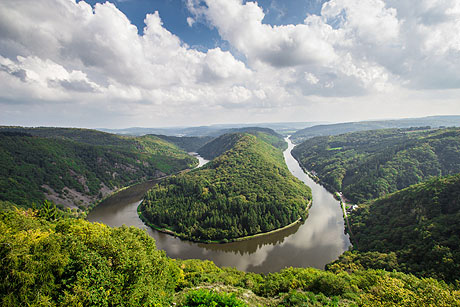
{"x": 316, "y": 242}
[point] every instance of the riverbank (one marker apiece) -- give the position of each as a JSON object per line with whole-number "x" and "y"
{"x": 115, "y": 192}
{"x": 337, "y": 195}
{"x": 240, "y": 239}
{"x": 302, "y": 245}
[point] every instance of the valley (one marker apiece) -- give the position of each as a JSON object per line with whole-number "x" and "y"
{"x": 314, "y": 243}
{"x": 408, "y": 227}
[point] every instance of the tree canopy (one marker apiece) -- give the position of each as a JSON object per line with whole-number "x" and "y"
{"x": 370, "y": 164}
{"x": 419, "y": 224}
{"x": 71, "y": 262}
{"x": 78, "y": 166}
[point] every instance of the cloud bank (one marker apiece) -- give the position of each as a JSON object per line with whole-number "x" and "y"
{"x": 64, "y": 62}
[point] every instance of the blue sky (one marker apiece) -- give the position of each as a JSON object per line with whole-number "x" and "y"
{"x": 200, "y": 62}
{"x": 174, "y": 15}
{"x": 201, "y": 35}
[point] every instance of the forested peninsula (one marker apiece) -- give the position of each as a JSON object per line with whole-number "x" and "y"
{"x": 370, "y": 164}
{"x": 77, "y": 167}
{"x": 245, "y": 190}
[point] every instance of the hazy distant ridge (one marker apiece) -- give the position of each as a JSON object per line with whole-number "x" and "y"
{"x": 335, "y": 129}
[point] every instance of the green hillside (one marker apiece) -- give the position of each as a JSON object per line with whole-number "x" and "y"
{"x": 420, "y": 224}
{"x": 370, "y": 164}
{"x": 246, "y": 190}
{"x": 187, "y": 143}
{"x": 71, "y": 262}
{"x": 226, "y": 141}
{"x": 75, "y": 167}
{"x": 341, "y": 128}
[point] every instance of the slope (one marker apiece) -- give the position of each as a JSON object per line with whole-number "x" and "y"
{"x": 71, "y": 169}
{"x": 340, "y": 128}
{"x": 369, "y": 164}
{"x": 227, "y": 140}
{"x": 187, "y": 143}
{"x": 71, "y": 262}
{"x": 420, "y": 224}
{"x": 246, "y": 190}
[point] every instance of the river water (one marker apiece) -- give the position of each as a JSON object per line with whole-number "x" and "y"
{"x": 316, "y": 242}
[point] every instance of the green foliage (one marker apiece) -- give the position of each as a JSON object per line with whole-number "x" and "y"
{"x": 48, "y": 211}
{"x": 219, "y": 145}
{"x": 225, "y": 142}
{"x": 313, "y": 287}
{"x": 73, "y": 262}
{"x": 419, "y": 224}
{"x": 188, "y": 143}
{"x": 308, "y": 299}
{"x": 340, "y": 128}
{"x": 352, "y": 261}
{"x": 84, "y": 161}
{"x": 206, "y": 298}
{"x": 370, "y": 164}
{"x": 245, "y": 191}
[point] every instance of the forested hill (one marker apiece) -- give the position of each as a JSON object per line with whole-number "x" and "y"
{"x": 187, "y": 143}
{"x": 76, "y": 167}
{"x": 246, "y": 190}
{"x": 59, "y": 261}
{"x": 225, "y": 142}
{"x": 340, "y": 128}
{"x": 80, "y": 135}
{"x": 369, "y": 164}
{"x": 421, "y": 224}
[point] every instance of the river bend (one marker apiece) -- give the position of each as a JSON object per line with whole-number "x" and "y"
{"x": 316, "y": 242}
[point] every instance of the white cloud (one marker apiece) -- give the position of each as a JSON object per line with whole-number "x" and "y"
{"x": 92, "y": 58}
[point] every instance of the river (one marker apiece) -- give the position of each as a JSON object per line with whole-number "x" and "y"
{"x": 316, "y": 242}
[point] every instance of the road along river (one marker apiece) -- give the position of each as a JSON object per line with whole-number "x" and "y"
{"x": 315, "y": 243}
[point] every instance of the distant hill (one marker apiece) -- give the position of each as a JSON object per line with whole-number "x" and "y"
{"x": 80, "y": 135}
{"x": 246, "y": 190}
{"x": 421, "y": 224}
{"x": 335, "y": 129}
{"x": 76, "y": 167}
{"x": 187, "y": 143}
{"x": 369, "y": 164}
{"x": 212, "y": 130}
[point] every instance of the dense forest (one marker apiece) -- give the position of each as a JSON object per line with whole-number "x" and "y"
{"x": 226, "y": 141}
{"x": 246, "y": 190}
{"x": 419, "y": 225}
{"x": 341, "y": 128}
{"x": 370, "y": 164}
{"x": 75, "y": 167}
{"x": 187, "y": 143}
{"x": 50, "y": 260}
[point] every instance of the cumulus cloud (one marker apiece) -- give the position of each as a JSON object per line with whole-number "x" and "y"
{"x": 86, "y": 49}
{"x": 68, "y": 52}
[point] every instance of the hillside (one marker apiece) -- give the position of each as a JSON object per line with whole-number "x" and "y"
{"x": 420, "y": 224}
{"x": 335, "y": 129}
{"x": 370, "y": 164}
{"x": 226, "y": 141}
{"x": 71, "y": 262}
{"x": 187, "y": 143}
{"x": 246, "y": 190}
{"x": 75, "y": 167}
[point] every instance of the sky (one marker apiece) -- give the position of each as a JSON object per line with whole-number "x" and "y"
{"x": 152, "y": 63}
